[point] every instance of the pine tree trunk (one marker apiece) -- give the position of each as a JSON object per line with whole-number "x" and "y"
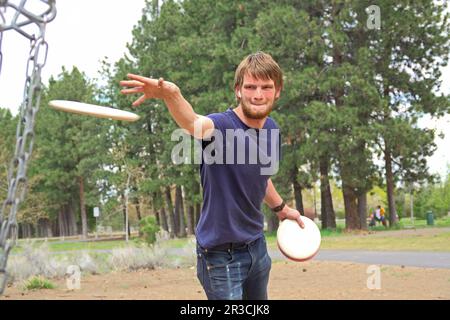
{"x": 179, "y": 204}
{"x": 198, "y": 212}
{"x": 351, "y": 207}
{"x": 390, "y": 188}
{"x": 198, "y": 206}
{"x": 158, "y": 218}
{"x": 54, "y": 227}
{"x": 298, "y": 194}
{"x": 62, "y": 228}
{"x": 124, "y": 213}
{"x": 44, "y": 229}
{"x": 84, "y": 229}
{"x": 64, "y": 221}
{"x": 190, "y": 220}
{"x": 327, "y": 210}
{"x": 176, "y": 215}
{"x": 156, "y": 210}
{"x": 170, "y": 213}
{"x": 71, "y": 218}
{"x": 25, "y": 229}
{"x": 137, "y": 206}
{"x": 362, "y": 210}
{"x": 163, "y": 218}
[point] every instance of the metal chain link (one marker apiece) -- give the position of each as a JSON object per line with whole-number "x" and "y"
{"x": 2, "y": 22}
{"x": 25, "y": 128}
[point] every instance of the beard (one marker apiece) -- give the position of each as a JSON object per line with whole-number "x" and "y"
{"x": 258, "y": 114}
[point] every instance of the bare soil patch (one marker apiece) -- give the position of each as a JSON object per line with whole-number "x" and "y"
{"x": 288, "y": 281}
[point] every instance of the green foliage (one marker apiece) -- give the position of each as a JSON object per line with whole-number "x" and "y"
{"x": 69, "y": 148}
{"x": 433, "y": 197}
{"x": 8, "y": 124}
{"x": 149, "y": 229}
{"x": 351, "y": 100}
{"x": 38, "y": 283}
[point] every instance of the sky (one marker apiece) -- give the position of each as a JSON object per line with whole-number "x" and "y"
{"x": 84, "y": 32}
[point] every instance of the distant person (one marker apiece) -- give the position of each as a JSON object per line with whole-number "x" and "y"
{"x": 378, "y": 215}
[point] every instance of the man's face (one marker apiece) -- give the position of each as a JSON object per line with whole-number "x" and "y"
{"x": 257, "y": 97}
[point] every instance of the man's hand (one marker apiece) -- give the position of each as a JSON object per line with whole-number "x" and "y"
{"x": 150, "y": 88}
{"x": 292, "y": 214}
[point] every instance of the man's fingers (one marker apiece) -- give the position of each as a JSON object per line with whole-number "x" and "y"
{"x": 141, "y": 79}
{"x": 133, "y": 90}
{"x": 131, "y": 83}
{"x": 300, "y": 222}
{"x": 139, "y": 101}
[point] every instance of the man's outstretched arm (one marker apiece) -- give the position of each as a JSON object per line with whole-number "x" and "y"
{"x": 273, "y": 199}
{"x": 180, "y": 109}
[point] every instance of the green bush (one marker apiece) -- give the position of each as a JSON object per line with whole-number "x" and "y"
{"x": 149, "y": 228}
{"x": 38, "y": 282}
{"x": 340, "y": 214}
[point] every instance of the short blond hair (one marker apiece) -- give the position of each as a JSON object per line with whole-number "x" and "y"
{"x": 261, "y": 66}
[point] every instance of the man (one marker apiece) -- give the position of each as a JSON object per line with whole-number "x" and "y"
{"x": 232, "y": 258}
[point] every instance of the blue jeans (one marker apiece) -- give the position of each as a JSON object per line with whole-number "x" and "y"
{"x": 236, "y": 273}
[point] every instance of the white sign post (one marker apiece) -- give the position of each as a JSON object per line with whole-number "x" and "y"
{"x": 96, "y": 215}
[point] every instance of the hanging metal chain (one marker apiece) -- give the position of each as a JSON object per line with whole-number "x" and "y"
{"x": 17, "y": 179}
{"x": 2, "y": 22}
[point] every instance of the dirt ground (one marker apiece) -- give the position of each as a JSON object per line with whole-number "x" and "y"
{"x": 312, "y": 280}
{"x": 288, "y": 281}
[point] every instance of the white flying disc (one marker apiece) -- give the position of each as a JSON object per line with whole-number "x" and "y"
{"x": 93, "y": 110}
{"x": 296, "y": 243}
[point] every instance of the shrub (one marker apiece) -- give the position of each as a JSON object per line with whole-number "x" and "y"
{"x": 38, "y": 282}
{"x": 149, "y": 228}
{"x": 132, "y": 258}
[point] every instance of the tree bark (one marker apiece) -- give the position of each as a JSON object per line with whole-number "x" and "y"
{"x": 25, "y": 230}
{"x": 176, "y": 215}
{"x": 326, "y": 210}
{"x": 198, "y": 212}
{"x": 71, "y": 218}
{"x": 390, "y": 187}
{"x": 84, "y": 229}
{"x": 137, "y": 206}
{"x": 156, "y": 211}
{"x": 170, "y": 213}
{"x": 362, "y": 210}
{"x": 351, "y": 207}
{"x": 197, "y": 205}
{"x": 44, "y": 228}
{"x": 62, "y": 225}
{"x": 163, "y": 218}
{"x": 67, "y": 225}
{"x": 124, "y": 212}
{"x": 190, "y": 219}
{"x": 297, "y": 193}
{"x": 179, "y": 205}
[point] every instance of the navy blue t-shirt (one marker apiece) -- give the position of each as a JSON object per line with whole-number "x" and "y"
{"x": 236, "y": 163}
